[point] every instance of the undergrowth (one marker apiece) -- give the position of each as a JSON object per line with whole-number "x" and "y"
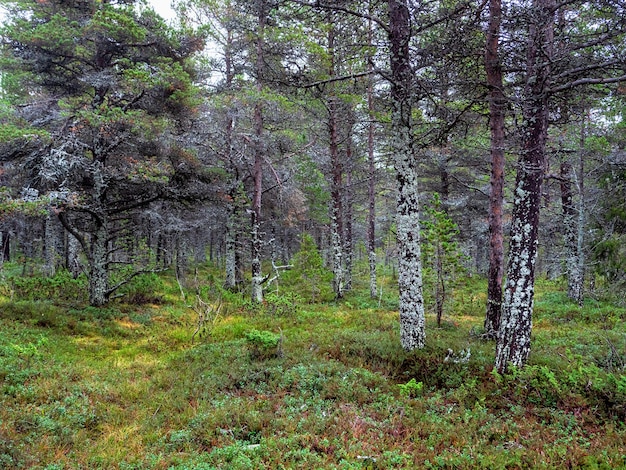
{"x": 295, "y": 383}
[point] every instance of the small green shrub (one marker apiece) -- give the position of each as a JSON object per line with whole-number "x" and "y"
{"x": 143, "y": 289}
{"x": 62, "y": 287}
{"x": 411, "y": 389}
{"x": 264, "y": 344}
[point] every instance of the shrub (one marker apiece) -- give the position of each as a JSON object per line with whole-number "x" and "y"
{"x": 264, "y": 344}
{"x": 62, "y": 287}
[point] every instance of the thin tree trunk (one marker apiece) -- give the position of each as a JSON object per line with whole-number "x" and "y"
{"x": 348, "y": 248}
{"x": 257, "y": 276}
{"x": 412, "y": 319}
{"x": 497, "y": 104}
{"x": 371, "y": 187}
{"x": 513, "y": 347}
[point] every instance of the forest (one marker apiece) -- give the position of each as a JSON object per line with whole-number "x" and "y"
{"x": 313, "y": 234}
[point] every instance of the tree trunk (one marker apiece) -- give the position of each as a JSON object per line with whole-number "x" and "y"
{"x": 98, "y": 267}
{"x": 371, "y": 170}
{"x": 255, "y": 214}
{"x": 51, "y": 237}
{"x": 497, "y": 104}
{"x": 513, "y": 346}
{"x": 348, "y": 244}
{"x": 573, "y": 226}
{"x": 412, "y": 320}
{"x": 6, "y": 246}
{"x": 336, "y": 187}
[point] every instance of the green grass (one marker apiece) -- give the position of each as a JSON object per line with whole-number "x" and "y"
{"x": 292, "y": 384}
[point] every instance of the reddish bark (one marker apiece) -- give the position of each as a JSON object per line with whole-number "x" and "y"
{"x": 497, "y": 104}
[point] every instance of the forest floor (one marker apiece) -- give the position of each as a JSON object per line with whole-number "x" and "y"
{"x": 291, "y": 384}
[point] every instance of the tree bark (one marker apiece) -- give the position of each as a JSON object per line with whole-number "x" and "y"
{"x": 513, "y": 347}
{"x": 336, "y": 187}
{"x": 98, "y": 267}
{"x": 497, "y": 104}
{"x": 371, "y": 186}
{"x": 573, "y": 226}
{"x": 255, "y": 213}
{"x": 412, "y": 320}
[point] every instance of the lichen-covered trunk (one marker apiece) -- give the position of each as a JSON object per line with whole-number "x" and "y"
{"x": 371, "y": 186}
{"x": 513, "y": 346}
{"x": 348, "y": 242}
{"x": 98, "y": 266}
{"x": 259, "y": 154}
{"x": 233, "y": 261}
{"x": 497, "y": 104}
{"x": 336, "y": 169}
{"x": 51, "y": 238}
{"x": 255, "y": 215}
{"x": 412, "y": 320}
{"x": 336, "y": 211}
{"x": 573, "y": 235}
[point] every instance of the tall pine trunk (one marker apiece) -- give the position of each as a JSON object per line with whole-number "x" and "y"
{"x": 497, "y": 104}
{"x": 412, "y": 320}
{"x": 513, "y": 347}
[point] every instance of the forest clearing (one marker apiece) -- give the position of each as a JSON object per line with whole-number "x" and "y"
{"x": 292, "y": 384}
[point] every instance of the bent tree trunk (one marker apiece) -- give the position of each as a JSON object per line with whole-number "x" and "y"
{"x": 412, "y": 320}
{"x": 513, "y": 346}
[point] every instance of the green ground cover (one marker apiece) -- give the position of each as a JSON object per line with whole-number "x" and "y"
{"x": 293, "y": 384}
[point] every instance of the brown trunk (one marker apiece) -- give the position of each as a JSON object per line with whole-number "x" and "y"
{"x": 497, "y": 104}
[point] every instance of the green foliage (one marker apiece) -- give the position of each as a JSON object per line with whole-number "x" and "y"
{"x": 264, "y": 344}
{"x": 309, "y": 277}
{"x": 94, "y": 388}
{"x": 443, "y": 264}
{"x": 411, "y": 389}
{"x": 142, "y": 289}
{"x": 61, "y": 288}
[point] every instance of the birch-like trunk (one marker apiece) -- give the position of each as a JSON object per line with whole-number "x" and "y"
{"x": 412, "y": 320}
{"x": 371, "y": 187}
{"x": 513, "y": 347}
{"x": 255, "y": 213}
{"x": 497, "y": 104}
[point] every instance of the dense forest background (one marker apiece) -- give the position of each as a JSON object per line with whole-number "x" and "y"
{"x": 433, "y": 158}
{"x": 130, "y": 145}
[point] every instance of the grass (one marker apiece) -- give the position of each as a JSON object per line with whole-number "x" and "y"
{"x": 292, "y": 384}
